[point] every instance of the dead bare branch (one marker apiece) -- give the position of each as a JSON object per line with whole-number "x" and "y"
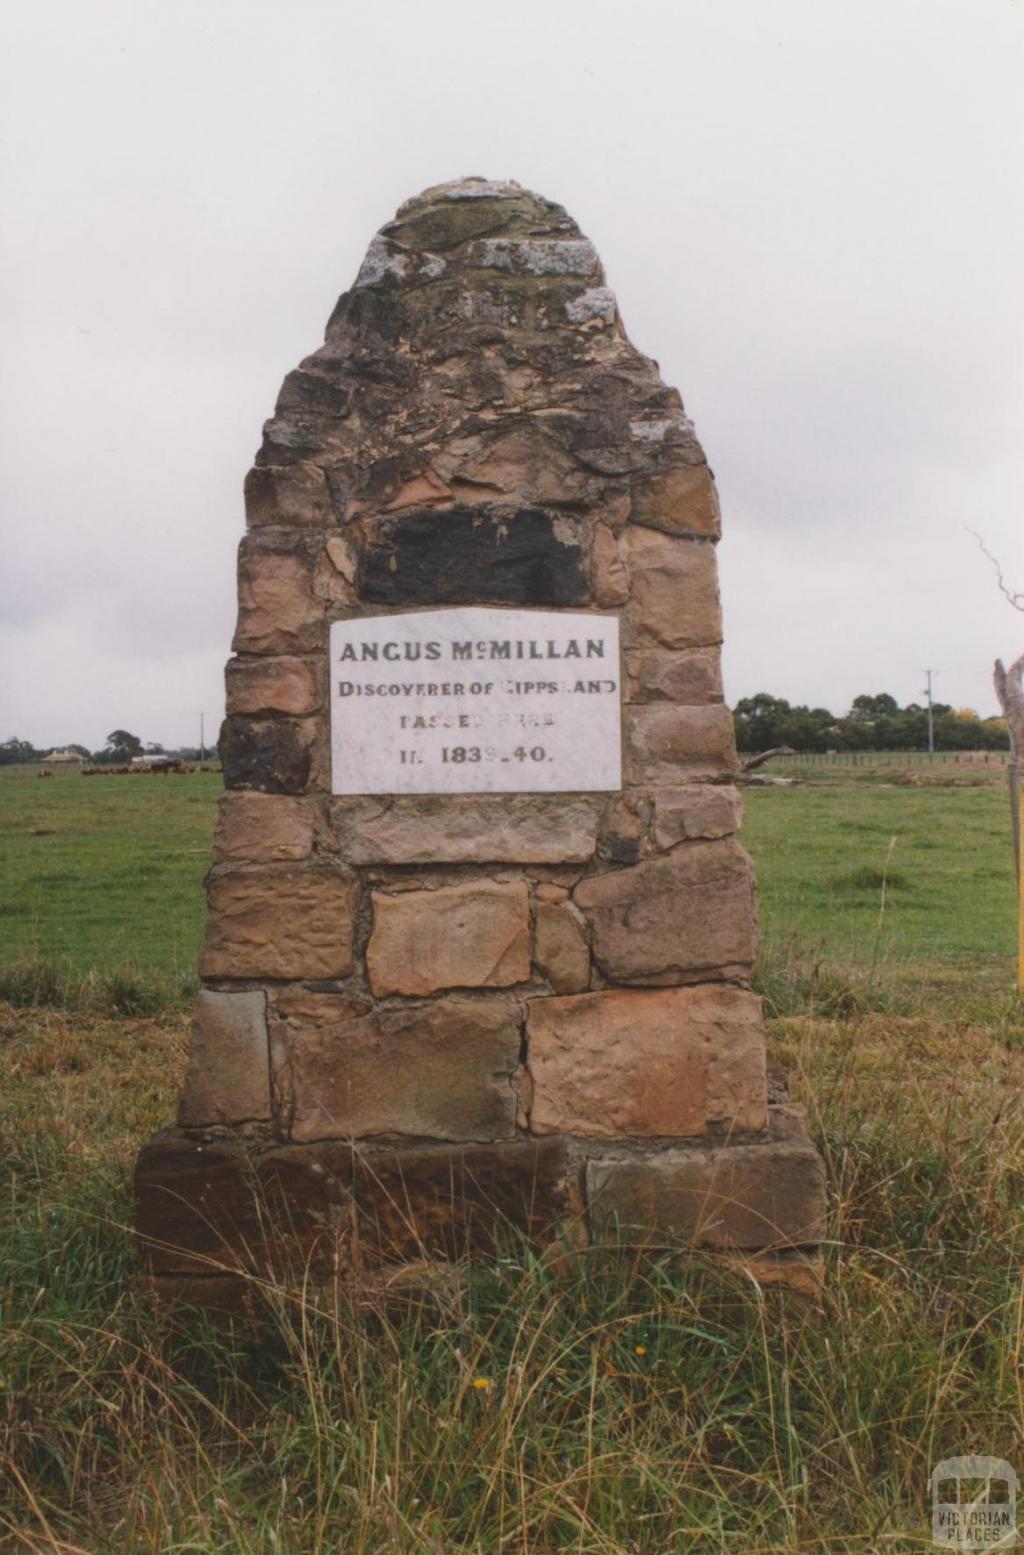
{"x": 1015, "y": 599}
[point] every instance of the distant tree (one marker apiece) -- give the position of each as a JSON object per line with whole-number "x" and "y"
{"x": 79, "y": 750}
{"x": 154, "y": 748}
{"x": 995, "y": 734}
{"x": 758, "y": 720}
{"x": 880, "y": 706}
{"x": 120, "y": 748}
{"x": 764, "y": 721}
{"x": 14, "y": 751}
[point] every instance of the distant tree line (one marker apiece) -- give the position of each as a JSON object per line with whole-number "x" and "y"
{"x": 119, "y": 750}
{"x": 762, "y": 722}
{"x": 873, "y": 723}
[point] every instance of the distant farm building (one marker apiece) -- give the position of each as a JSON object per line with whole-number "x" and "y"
{"x": 63, "y": 759}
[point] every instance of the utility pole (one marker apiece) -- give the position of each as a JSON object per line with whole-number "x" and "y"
{"x": 931, "y": 718}
{"x": 202, "y": 737}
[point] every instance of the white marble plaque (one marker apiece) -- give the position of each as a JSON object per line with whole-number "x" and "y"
{"x": 473, "y": 701}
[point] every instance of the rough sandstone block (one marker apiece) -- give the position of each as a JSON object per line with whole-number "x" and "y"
{"x": 276, "y": 685}
{"x": 467, "y": 829}
{"x": 608, "y": 575}
{"x": 254, "y": 828}
{"x": 294, "y": 494}
{"x": 693, "y": 677}
{"x": 316, "y": 1008}
{"x": 393, "y": 485}
{"x": 560, "y": 946}
{"x": 698, "y": 810}
{"x": 525, "y": 466}
{"x": 343, "y": 556}
{"x": 682, "y": 918}
{"x": 329, "y": 581}
{"x": 295, "y": 1007}
{"x": 666, "y": 1062}
{"x": 442, "y": 1070}
{"x": 681, "y": 501}
{"x": 277, "y": 609}
{"x": 668, "y": 744}
{"x": 475, "y": 935}
{"x": 769, "y": 1195}
{"x": 280, "y": 923}
{"x": 673, "y": 591}
{"x": 228, "y": 1078}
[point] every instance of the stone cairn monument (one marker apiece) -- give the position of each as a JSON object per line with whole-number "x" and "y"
{"x": 480, "y": 935}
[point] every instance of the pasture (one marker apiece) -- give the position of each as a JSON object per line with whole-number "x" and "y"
{"x": 102, "y": 880}
{"x": 631, "y": 1407}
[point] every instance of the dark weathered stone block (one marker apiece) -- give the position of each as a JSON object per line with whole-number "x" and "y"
{"x": 430, "y": 1203}
{"x": 464, "y": 555}
{"x": 210, "y": 1207}
{"x": 194, "y": 1206}
{"x": 213, "y": 1209}
{"x": 272, "y": 756}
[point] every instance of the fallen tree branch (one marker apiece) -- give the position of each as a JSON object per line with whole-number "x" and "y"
{"x": 759, "y": 761}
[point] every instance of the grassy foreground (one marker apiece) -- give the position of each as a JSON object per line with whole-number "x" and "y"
{"x": 628, "y": 1408}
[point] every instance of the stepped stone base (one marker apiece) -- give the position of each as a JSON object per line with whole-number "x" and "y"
{"x": 215, "y": 1212}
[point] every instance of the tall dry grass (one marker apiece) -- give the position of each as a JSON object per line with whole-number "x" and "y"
{"x": 632, "y": 1407}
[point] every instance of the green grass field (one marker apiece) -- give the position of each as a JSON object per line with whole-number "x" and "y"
{"x": 631, "y": 1407}
{"x": 944, "y": 855}
{"x": 106, "y": 874}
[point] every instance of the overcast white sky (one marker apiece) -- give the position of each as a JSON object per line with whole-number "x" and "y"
{"x": 811, "y": 211}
